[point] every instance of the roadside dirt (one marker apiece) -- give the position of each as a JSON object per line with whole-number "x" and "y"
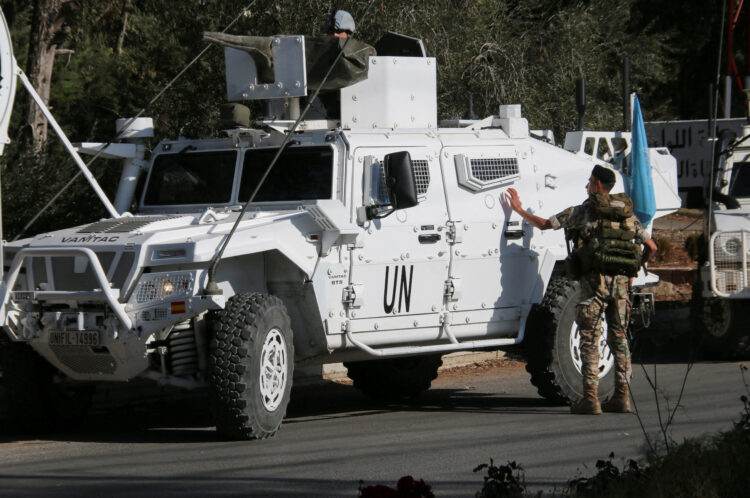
{"x": 673, "y": 262}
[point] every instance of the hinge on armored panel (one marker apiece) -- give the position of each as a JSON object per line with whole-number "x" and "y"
{"x": 353, "y": 296}
{"x": 452, "y": 289}
{"x": 452, "y": 234}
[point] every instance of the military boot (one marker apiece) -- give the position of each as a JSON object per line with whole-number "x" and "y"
{"x": 589, "y": 405}
{"x": 620, "y": 401}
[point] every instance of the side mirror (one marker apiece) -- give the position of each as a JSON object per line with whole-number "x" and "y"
{"x": 399, "y": 178}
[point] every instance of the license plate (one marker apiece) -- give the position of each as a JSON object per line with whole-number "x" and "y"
{"x": 74, "y": 338}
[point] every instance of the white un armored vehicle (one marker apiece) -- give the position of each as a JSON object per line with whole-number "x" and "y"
{"x": 722, "y": 294}
{"x": 379, "y": 239}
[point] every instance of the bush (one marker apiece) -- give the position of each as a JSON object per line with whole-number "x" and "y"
{"x": 664, "y": 249}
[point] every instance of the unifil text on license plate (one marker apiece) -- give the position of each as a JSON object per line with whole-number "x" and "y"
{"x": 74, "y": 338}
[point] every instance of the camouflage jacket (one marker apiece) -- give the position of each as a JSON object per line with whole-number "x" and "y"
{"x": 581, "y": 219}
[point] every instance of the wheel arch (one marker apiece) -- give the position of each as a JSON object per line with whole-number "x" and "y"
{"x": 274, "y": 272}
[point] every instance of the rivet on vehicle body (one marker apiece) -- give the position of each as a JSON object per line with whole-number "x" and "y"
{"x": 265, "y": 86}
{"x": 361, "y": 257}
{"x": 468, "y": 319}
{"x": 279, "y": 85}
{"x": 455, "y": 307}
{"x": 297, "y": 84}
{"x": 354, "y": 314}
{"x": 494, "y": 225}
{"x": 298, "y": 40}
{"x": 376, "y": 326}
{"x": 466, "y": 227}
{"x": 457, "y": 252}
{"x": 330, "y": 314}
{"x": 434, "y": 308}
{"x": 276, "y": 41}
{"x": 484, "y": 305}
{"x": 416, "y": 323}
{"x": 354, "y": 98}
{"x": 330, "y": 271}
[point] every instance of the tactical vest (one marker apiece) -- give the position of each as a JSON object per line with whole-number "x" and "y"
{"x": 605, "y": 243}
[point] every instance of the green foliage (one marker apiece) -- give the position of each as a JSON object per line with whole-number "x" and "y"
{"x": 609, "y": 479}
{"x": 502, "y": 481}
{"x": 407, "y": 487}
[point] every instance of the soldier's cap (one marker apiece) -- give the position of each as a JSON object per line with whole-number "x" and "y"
{"x": 339, "y": 20}
{"x": 604, "y": 175}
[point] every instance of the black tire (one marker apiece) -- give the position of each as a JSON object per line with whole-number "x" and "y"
{"x": 550, "y": 359}
{"x": 244, "y": 332}
{"x": 395, "y": 378}
{"x": 721, "y": 327}
{"x": 36, "y": 399}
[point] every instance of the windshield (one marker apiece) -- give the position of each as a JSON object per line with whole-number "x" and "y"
{"x": 739, "y": 186}
{"x": 191, "y": 178}
{"x": 301, "y": 173}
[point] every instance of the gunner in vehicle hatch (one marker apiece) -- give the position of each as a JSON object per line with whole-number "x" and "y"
{"x": 606, "y": 255}
{"x": 340, "y": 23}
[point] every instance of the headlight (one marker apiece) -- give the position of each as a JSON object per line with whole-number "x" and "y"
{"x": 158, "y": 286}
{"x": 732, "y": 247}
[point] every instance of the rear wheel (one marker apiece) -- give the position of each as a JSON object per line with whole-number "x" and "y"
{"x": 251, "y": 366}
{"x": 552, "y": 347}
{"x": 395, "y": 378}
{"x": 722, "y": 327}
{"x": 39, "y": 397}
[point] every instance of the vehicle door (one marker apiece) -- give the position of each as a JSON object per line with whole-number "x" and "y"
{"x": 493, "y": 272}
{"x": 400, "y": 264}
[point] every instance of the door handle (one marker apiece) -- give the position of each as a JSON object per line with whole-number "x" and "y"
{"x": 514, "y": 234}
{"x": 429, "y": 238}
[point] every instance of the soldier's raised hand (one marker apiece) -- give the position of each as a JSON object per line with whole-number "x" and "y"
{"x": 514, "y": 200}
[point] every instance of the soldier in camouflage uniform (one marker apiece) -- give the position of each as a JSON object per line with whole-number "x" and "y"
{"x": 602, "y": 295}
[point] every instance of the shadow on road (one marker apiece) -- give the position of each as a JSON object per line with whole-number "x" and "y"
{"x": 181, "y": 417}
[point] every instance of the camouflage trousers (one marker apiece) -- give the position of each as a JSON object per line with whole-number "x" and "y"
{"x": 604, "y": 296}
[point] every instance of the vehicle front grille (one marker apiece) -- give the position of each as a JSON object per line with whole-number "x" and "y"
{"x": 67, "y": 273}
{"x": 84, "y": 360}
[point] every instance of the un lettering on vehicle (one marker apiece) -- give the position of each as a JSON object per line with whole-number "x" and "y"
{"x": 398, "y": 287}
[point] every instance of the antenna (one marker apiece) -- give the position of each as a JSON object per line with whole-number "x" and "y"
{"x": 581, "y": 100}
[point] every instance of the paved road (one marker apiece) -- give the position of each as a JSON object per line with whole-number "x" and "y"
{"x": 334, "y": 437}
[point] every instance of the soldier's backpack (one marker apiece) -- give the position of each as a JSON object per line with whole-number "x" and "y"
{"x": 606, "y": 244}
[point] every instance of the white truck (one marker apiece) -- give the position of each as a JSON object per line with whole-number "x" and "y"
{"x": 722, "y": 292}
{"x": 380, "y": 238}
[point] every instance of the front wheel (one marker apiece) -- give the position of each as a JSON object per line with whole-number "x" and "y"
{"x": 552, "y": 347}
{"x": 251, "y": 366}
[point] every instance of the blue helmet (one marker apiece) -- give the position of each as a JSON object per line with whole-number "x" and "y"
{"x": 339, "y": 20}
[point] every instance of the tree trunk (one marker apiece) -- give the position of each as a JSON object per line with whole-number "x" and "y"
{"x": 46, "y": 24}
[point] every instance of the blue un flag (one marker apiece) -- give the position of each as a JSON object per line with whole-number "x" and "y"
{"x": 641, "y": 182}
